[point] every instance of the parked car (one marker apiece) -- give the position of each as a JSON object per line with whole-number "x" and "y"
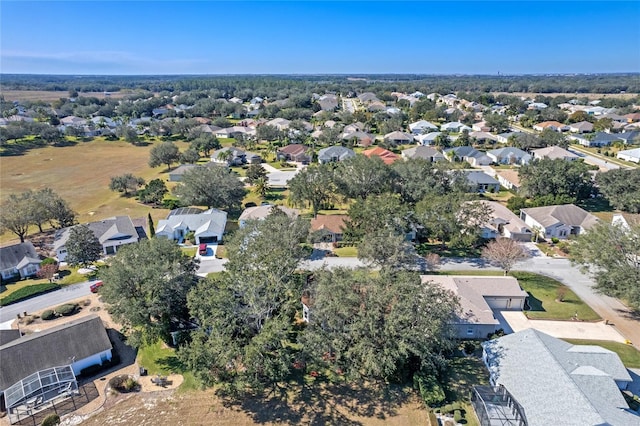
{"x": 94, "y": 287}
{"x": 202, "y": 250}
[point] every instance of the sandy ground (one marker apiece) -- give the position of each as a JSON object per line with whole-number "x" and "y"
{"x": 564, "y": 329}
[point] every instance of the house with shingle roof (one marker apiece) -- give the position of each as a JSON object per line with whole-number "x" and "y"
{"x": 510, "y": 179}
{"x": 479, "y": 297}
{"x": 509, "y": 155}
{"x": 329, "y": 228}
{"x": 19, "y": 261}
{"x": 295, "y": 152}
{"x": 581, "y": 127}
{"x": 504, "y": 223}
{"x": 207, "y": 226}
{"x": 468, "y": 154}
{"x": 398, "y": 138}
{"x": 422, "y": 126}
{"x": 261, "y": 213}
{"x": 75, "y": 345}
{"x": 112, "y": 233}
{"x": 425, "y": 152}
{"x": 481, "y": 182}
{"x": 558, "y": 221}
{"x": 632, "y": 155}
{"x": 552, "y": 125}
{"x": 358, "y": 138}
{"x": 334, "y": 154}
{"x": 556, "y": 382}
{"x": 553, "y": 153}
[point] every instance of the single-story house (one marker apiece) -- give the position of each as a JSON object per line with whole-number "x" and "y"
{"x": 207, "y": 226}
{"x": 468, "y": 154}
{"x": 398, "y": 138}
{"x": 505, "y": 223}
{"x": 455, "y": 126}
{"x": 176, "y": 174}
{"x": 504, "y": 137}
{"x": 581, "y": 127}
{"x": 230, "y": 156}
{"x": 558, "y": 221}
{"x": 19, "y": 260}
{"x": 334, "y": 154}
{"x": 386, "y": 156}
{"x": 555, "y": 382}
{"x": 355, "y": 127}
{"x": 632, "y": 155}
{"x": 422, "y": 126}
{"x": 509, "y": 179}
{"x": 482, "y": 136}
{"x": 261, "y": 212}
{"x": 509, "y": 155}
{"x": 553, "y": 153}
{"x": 295, "y": 152}
{"x": 479, "y": 298}
{"x": 553, "y": 125}
{"x": 329, "y": 228}
{"x": 112, "y": 233}
{"x": 45, "y": 364}
{"x": 480, "y": 127}
{"x": 427, "y": 138}
{"x": 358, "y": 137}
{"x": 425, "y": 152}
{"x": 481, "y": 182}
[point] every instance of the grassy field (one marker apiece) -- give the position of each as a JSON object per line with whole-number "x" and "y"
{"x": 159, "y": 359}
{"x": 81, "y": 174}
{"x": 346, "y": 252}
{"x": 629, "y": 355}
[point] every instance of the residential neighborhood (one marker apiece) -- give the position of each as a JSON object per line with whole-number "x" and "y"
{"x": 301, "y": 243}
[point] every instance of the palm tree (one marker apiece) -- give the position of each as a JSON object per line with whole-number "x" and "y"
{"x": 261, "y": 187}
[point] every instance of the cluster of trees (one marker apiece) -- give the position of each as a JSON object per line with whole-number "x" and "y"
{"x": 414, "y": 196}
{"x": 20, "y": 211}
{"x": 364, "y": 324}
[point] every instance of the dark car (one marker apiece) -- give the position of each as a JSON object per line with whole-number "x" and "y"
{"x": 94, "y": 287}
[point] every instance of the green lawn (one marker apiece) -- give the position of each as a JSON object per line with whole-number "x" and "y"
{"x": 189, "y": 251}
{"x": 158, "y": 359}
{"x": 464, "y": 373}
{"x": 346, "y": 251}
{"x": 447, "y": 251}
{"x": 629, "y": 355}
{"x": 543, "y": 294}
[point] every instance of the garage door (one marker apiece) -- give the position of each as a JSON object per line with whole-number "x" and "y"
{"x": 498, "y": 303}
{"x": 208, "y": 240}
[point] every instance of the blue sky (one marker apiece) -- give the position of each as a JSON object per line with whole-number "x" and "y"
{"x": 453, "y": 37}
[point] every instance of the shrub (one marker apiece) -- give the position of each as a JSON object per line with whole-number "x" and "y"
{"x": 457, "y": 416}
{"x": 48, "y": 261}
{"x": 48, "y": 315}
{"x": 429, "y": 388}
{"x": 67, "y": 309}
{"x": 469, "y": 347}
{"x": 27, "y": 292}
{"x": 447, "y": 409}
{"x": 555, "y": 240}
{"x": 51, "y": 420}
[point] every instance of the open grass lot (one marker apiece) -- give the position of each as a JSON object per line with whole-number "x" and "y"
{"x": 543, "y": 292}
{"x": 160, "y": 359}
{"x": 629, "y": 355}
{"x": 316, "y": 405}
{"x": 54, "y": 95}
{"x": 81, "y": 175}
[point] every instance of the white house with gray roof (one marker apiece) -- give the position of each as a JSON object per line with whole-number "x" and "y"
{"x": 509, "y": 155}
{"x": 468, "y": 154}
{"x": 504, "y": 223}
{"x": 422, "y": 126}
{"x": 334, "y": 154}
{"x": 632, "y": 155}
{"x": 479, "y": 297}
{"x": 19, "y": 261}
{"x": 425, "y": 152}
{"x": 481, "y": 182}
{"x": 261, "y": 213}
{"x": 558, "y": 383}
{"x": 558, "y": 221}
{"x": 207, "y": 226}
{"x": 112, "y": 233}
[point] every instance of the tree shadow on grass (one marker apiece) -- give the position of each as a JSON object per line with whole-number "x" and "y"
{"x": 319, "y": 404}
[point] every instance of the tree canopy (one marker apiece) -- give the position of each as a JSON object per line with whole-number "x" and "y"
{"x": 164, "y": 153}
{"x": 146, "y": 286}
{"x": 83, "y": 247}
{"x": 547, "y": 177}
{"x": 214, "y": 187}
{"x": 611, "y": 254}
{"x": 313, "y": 185}
{"x": 622, "y": 188}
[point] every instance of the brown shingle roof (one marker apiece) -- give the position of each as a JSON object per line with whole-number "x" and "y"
{"x": 334, "y": 223}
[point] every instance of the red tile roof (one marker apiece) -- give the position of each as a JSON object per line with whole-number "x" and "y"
{"x": 387, "y": 156}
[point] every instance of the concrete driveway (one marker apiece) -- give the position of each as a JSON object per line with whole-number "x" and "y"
{"x": 517, "y": 321}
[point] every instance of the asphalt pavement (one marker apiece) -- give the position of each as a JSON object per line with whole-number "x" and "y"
{"x": 54, "y": 298}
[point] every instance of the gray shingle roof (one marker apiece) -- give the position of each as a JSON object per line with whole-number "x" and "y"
{"x": 560, "y": 383}
{"x": 12, "y": 256}
{"x": 56, "y": 346}
{"x": 567, "y": 214}
{"x": 335, "y": 152}
{"x": 118, "y": 227}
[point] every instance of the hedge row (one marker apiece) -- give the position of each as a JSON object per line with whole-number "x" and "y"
{"x": 27, "y": 292}
{"x": 429, "y": 388}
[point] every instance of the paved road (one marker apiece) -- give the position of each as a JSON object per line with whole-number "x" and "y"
{"x": 604, "y": 165}
{"x": 38, "y": 303}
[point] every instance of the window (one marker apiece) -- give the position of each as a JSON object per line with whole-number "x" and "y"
{"x": 470, "y": 331}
